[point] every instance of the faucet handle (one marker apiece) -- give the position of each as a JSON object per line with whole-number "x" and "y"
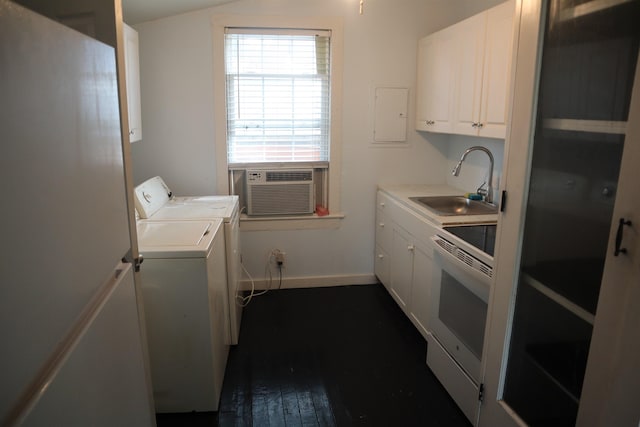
{"x": 483, "y": 191}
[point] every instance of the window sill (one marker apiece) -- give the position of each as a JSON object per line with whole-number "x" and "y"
{"x": 298, "y": 222}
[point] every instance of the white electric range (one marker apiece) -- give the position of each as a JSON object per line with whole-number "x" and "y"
{"x": 154, "y": 201}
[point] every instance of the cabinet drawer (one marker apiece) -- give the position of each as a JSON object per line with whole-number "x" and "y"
{"x": 455, "y": 381}
{"x": 381, "y": 266}
{"x": 420, "y": 228}
{"x": 383, "y": 202}
{"x": 383, "y": 230}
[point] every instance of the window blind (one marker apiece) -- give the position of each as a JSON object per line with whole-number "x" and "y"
{"x": 277, "y": 89}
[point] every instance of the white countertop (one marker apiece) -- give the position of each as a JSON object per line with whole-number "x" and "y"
{"x": 401, "y": 193}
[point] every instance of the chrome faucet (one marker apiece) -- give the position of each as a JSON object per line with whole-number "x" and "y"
{"x": 488, "y": 192}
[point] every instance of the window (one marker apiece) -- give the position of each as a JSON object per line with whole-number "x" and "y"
{"x": 277, "y": 90}
{"x": 280, "y": 109}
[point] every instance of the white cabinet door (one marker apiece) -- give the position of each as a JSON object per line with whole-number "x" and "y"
{"x": 497, "y": 71}
{"x": 401, "y": 266}
{"x": 469, "y": 36}
{"x": 132, "y": 67}
{"x": 436, "y": 62}
{"x": 421, "y": 287}
{"x": 484, "y": 52}
{"x": 425, "y": 60}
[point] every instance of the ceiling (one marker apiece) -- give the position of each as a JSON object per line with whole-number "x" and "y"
{"x": 136, "y": 11}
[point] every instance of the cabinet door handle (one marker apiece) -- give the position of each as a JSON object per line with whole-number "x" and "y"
{"x": 381, "y": 224}
{"x": 410, "y": 248}
{"x": 619, "y": 234}
{"x": 480, "y": 125}
{"x": 474, "y": 125}
{"x": 380, "y": 256}
{"x": 382, "y": 204}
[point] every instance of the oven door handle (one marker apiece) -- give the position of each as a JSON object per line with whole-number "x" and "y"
{"x": 482, "y": 291}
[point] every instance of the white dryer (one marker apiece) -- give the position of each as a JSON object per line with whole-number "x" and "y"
{"x": 154, "y": 201}
{"x": 185, "y": 295}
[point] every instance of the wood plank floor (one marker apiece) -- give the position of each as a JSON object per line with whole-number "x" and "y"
{"x": 338, "y": 356}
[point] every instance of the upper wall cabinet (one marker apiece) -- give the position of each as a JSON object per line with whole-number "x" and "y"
{"x": 482, "y": 79}
{"x": 464, "y": 75}
{"x": 132, "y": 70}
{"x": 436, "y": 72}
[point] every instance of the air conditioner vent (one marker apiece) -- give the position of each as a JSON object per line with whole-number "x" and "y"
{"x": 278, "y": 176}
{"x": 280, "y": 191}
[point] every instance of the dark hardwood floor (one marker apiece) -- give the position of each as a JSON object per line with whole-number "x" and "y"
{"x": 336, "y": 356}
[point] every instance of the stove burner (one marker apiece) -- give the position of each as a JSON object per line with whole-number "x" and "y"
{"x": 482, "y": 237}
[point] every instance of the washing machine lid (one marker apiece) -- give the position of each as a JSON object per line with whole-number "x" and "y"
{"x": 176, "y": 239}
{"x": 150, "y": 196}
{"x": 199, "y": 207}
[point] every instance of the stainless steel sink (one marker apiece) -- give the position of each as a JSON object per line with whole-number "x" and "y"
{"x": 455, "y": 205}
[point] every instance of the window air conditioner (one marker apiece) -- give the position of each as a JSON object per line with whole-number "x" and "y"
{"x": 279, "y": 192}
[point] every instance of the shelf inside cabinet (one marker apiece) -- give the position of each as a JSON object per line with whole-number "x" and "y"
{"x": 574, "y": 284}
{"x": 593, "y": 126}
{"x": 564, "y": 363}
{"x": 588, "y": 8}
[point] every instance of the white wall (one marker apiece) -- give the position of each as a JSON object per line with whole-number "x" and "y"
{"x": 380, "y": 49}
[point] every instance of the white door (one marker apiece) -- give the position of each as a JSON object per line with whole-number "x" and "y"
{"x": 102, "y": 382}
{"x": 64, "y": 224}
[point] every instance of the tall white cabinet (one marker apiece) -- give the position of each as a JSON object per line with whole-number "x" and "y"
{"x": 563, "y": 345}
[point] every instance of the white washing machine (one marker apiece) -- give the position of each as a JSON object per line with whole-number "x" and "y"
{"x": 185, "y": 294}
{"x": 155, "y": 202}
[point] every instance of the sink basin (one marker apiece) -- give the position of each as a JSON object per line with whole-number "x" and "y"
{"x": 455, "y": 205}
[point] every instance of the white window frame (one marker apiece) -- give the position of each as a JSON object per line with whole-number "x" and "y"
{"x": 219, "y": 23}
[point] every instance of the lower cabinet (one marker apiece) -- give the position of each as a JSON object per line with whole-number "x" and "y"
{"x": 421, "y": 288}
{"x": 401, "y": 267}
{"x": 403, "y": 258}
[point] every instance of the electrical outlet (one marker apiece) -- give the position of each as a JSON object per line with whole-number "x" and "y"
{"x": 279, "y": 256}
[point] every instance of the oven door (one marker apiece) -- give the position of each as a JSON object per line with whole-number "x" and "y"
{"x": 459, "y": 306}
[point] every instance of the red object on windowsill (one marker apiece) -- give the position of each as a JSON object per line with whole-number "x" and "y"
{"x": 321, "y": 210}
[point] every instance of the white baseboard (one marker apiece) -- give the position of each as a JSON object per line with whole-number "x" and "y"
{"x": 311, "y": 282}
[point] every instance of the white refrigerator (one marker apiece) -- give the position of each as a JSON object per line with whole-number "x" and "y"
{"x": 72, "y": 353}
